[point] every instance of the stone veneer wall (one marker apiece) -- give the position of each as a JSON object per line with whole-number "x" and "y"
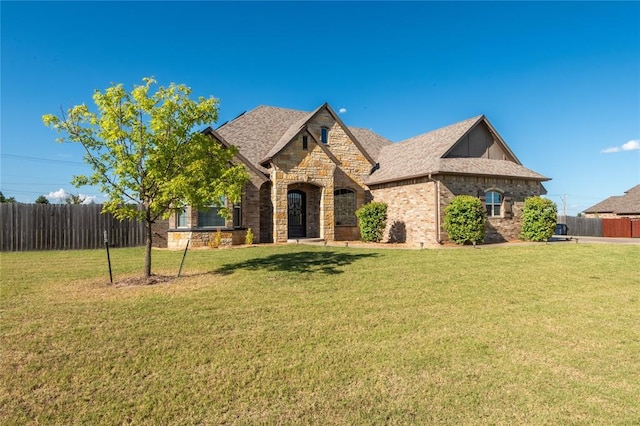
{"x": 294, "y": 165}
{"x": 159, "y": 229}
{"x": 411, "y": 210}
{"x": 517, "y": 190}
{"x": 266, "y": 214}
{"x": 205, "y": 238}
{"x": 251, "y": 207}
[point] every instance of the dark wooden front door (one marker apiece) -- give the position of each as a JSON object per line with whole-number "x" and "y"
{"x": 297, "y": 214}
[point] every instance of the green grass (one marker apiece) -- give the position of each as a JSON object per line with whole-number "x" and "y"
{"x": 527, "y": 334}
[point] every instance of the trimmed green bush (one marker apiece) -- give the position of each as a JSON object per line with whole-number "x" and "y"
{"x": 539, "y": 219}
{"x": 465, "y": 219}
{"x": 372, "y": 219}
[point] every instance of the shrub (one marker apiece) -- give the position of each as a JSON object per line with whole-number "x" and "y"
{"x": 465, "y": 219}
{"x": 372, "y": 219}
{"x": 539, "y": 219}
{"x": 248, "y": 239}
{"x": 217, "y": 240}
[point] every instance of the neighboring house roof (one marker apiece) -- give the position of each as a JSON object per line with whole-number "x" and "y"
{"x": 425, "y": 154}
{"x": 619, "y": 204}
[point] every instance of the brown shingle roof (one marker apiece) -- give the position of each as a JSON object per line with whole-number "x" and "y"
{"x": 264, "y": 131}
{"x": 422, "y": 155}
{"x": 619, "y": 204}
{"x": 370, "y": 141}
{"x": 257, "y": 131}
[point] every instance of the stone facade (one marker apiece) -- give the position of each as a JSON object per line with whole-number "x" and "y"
{"x": 322, "y": 174}
{"x": 416, "y": 207}
{"x": 206, "y": 238}
{"x": 411, "y": 210}
{"x": 507, "y": 227}
{"x": 317, "y": 171}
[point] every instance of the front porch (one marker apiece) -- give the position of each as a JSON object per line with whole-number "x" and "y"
{"x": 302, "y": 210}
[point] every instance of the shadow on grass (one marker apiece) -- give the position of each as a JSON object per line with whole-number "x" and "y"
{"x": 325, "y": 262}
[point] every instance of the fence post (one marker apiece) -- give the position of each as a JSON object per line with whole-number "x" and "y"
{"x": 183, "y": 256}
{"x": 106, "y": 245}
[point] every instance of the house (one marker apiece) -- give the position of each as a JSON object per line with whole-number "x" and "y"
{"x": 627, "y": 205}
{"x": 310, "y": 173}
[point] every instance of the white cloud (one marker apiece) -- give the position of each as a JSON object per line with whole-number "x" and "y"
{"x": 632, "y": 145}
{"x": 58, "y": 195}
{"x": 342, "y": 110}
{"x": 61, "y": 194}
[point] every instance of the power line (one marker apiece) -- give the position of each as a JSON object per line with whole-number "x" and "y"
{"x": 41, "y": 160}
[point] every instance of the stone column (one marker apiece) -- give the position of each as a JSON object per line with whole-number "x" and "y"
{"x": 279, "y": 201}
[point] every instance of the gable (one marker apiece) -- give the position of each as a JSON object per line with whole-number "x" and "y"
{"x": 480, "y": 142}
{"x": 470, "y": 147}
{"x": 322, "y": 117}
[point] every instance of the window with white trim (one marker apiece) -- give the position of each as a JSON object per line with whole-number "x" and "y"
{"x": 344, "y": 207}
{"x": 493, "y": 202}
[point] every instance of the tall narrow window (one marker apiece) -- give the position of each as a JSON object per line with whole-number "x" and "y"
{"x": 493, "y": 201}
{"x": 181, "y": 218}
{"x": 305, "y": 142}
{"x": 237, "y": 215}
{"x": 324, "y": 135}
{"x": 344, "y": 205}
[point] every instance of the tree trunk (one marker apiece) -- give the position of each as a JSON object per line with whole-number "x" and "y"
{"x": 147, "y": 254}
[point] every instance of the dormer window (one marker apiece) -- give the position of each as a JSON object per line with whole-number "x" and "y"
{"x": 305, "y": 143}
{"x": 324, "y": 135}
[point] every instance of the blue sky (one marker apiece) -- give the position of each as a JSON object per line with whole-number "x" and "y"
{"x": 560, "y": 81}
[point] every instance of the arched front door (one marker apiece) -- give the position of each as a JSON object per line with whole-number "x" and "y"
{"x": 297, "y": 214}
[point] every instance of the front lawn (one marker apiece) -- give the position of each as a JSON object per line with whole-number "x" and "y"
{"x": 535, "y": 334}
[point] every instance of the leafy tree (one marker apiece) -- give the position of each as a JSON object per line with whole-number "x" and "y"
{"x": 74, "y": 199}
{"x": 465, "y": 219}
{"x": 42, "y": 200}
{"x": 4, "y": 199}
{"x": 539, "y": 218}
{"x": 146, "y": 154}
{"x": 372, "y": 219}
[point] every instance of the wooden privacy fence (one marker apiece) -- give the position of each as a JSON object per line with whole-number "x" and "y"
{"x": 27, "y": 227}
{"x": 582, "y": 226}
{"x": 623, "y": 227}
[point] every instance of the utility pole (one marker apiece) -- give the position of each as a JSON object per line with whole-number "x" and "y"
{"x": 564, "y": 205}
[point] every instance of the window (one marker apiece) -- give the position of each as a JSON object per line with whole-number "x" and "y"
{"x": 182, "y": 218}
{"x": 237, "y": 215}
{"x": 324, "y": 135}
{"x": 305, "y": 142}
{"x": 210, "y": 218}
{"x": 493, "y": 201}
{"x": 344, "y": 204}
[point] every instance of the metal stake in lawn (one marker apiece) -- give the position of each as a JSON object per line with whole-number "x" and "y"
{"x": 183, "y": 256}
{"x": 106, "y": 245}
